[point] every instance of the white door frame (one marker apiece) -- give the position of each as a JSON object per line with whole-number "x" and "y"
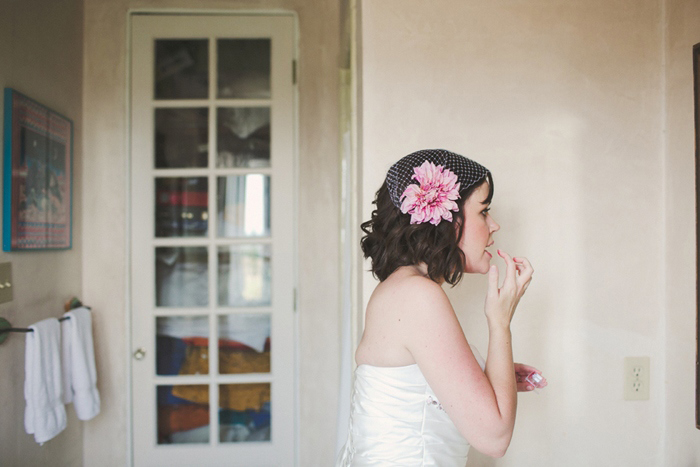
{"x": 294, "y": 152}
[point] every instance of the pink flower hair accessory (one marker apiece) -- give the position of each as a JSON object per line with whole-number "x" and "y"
{"x": 433, "y": 198}
{"x": 440, "y": 175}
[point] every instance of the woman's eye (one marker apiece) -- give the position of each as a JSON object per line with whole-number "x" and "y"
{"x": 485, "y": 211}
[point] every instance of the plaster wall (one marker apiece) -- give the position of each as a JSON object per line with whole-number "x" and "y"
{"x": 41, "y": 56}
{"x": 105, "y": 242}
{"x": 563, "y": 101}
{"x": 682, "y": 438}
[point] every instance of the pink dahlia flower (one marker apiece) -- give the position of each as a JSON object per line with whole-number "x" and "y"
{"x": 432, "y": 200}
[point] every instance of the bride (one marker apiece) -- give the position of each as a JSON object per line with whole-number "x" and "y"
{"x": 422, "y": 394}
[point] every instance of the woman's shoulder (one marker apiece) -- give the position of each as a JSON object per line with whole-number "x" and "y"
{"x": 409, "y": 293}
{"x": 403, "y": 283}
{"x": 396, "y": 312}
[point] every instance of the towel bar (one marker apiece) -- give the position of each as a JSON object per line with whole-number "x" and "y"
{"x": 6, "y": 327}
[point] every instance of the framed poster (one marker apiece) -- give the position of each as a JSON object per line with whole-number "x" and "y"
{"x": 696, "y": 89}
{"x": 37, "y": 176}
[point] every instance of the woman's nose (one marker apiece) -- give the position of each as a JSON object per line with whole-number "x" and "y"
{"x": 494, "y": 225}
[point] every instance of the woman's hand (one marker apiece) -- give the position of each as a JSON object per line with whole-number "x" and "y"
{"x": 521, "y": 372}
{"x": 501, "y": 302}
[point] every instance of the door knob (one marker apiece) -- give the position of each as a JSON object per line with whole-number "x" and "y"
{"x": 140, "y": 353}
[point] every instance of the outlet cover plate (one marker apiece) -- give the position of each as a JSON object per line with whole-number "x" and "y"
{"x": 636, "y": 379}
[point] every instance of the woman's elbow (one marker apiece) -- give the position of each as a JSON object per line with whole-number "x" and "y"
{"x": 491, "y": 438}
{"x": 494, "y": 447}
{"x": 493, "y": 451}
{"x": 497, "y": 453}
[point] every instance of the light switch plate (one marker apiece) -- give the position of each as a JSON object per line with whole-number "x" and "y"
{"x": 6, "y": 285}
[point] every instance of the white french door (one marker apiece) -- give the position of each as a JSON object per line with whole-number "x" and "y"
{"x": 212, "y": 245}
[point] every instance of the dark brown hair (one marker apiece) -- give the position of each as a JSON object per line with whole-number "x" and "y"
{"x": 392, "y": 241}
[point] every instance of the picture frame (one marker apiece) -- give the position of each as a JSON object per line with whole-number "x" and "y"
{"x": 37, "y": 176}
{"x": 696, "y": 96}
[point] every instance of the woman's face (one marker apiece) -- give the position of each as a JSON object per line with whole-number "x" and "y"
{"x": 478, "y": 231}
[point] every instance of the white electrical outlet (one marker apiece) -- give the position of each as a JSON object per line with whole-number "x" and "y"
{"x": 636, "y": 379}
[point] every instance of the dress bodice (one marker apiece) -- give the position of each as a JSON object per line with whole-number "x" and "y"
{"x": 396, "y": 419}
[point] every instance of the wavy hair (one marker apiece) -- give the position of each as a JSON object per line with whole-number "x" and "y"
{"x": 391, "y": 241}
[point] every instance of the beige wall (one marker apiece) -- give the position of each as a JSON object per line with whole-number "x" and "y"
{"x": 563, "y": 101}
{"x": 105, "y": 205}
{"x": 682, "y": 438}
{"x": 41, "y": 56}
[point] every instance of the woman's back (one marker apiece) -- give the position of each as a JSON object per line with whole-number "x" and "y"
{"x": 387, "y": 318}
{"x": 396, "y": 419}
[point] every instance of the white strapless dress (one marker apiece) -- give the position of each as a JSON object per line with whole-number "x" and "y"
{"x": 396, "y": 419}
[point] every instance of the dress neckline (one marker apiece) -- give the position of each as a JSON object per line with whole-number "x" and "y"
{"x": 387, "y": 367}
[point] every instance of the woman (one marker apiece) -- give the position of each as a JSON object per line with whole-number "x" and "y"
{"x": 420, "y": 390}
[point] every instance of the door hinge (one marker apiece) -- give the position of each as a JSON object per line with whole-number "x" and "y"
{"x": 294, "y": 72}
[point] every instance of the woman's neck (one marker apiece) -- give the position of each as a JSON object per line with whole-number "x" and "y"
{"x": 422, "y": 269}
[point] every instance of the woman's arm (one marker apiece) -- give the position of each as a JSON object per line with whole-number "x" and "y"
{"x": 499, "y": 308}
{"x": 481, "y": 404}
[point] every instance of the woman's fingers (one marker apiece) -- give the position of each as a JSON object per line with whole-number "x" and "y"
{"x": 510, "y": 268}
{"x": 523, "y": 264}
{"x": 521, "y": 368}
{"x": 525, "y": 271}
{"x": 522, "y": 371}
{"x": 493, "y": 282}
{"x": 525, "y": 387}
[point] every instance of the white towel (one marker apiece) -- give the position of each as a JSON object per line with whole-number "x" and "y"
{"x": 79, "y": 371}
{"x": 44, "y": 415}
{"x": 66, "y": 363}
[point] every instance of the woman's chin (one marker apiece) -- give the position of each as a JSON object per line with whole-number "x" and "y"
{"x": 480, "y": 268}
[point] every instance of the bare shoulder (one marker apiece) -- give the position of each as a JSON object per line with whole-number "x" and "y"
{"x": 397, "y": 310}
{"x": 410, "y": 297}
{"x": 411, "y": 308}
{"x": 412, "y": 313}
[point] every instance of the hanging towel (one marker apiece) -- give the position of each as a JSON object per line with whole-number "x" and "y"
{"x": 44, "y": 415}
{"x": 66, "y": 362}
{"x": 79, "y": 364}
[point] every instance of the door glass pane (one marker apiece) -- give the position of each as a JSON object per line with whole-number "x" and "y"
{"x": 181, "y": 138}
{"x": 181, "y": 276}
{"x": 244, "y": 275}
{"x": 243, "y": 205}
{"x": 183, "y": 414}
{"x": 181, "y": 69}
{"x": 244, "y": 343}
{"x": 181, "y": 207}
{"x": 182, "y": 345}
{"x": 243, "y": 137}
{"x": 244, "y": 412}
{"x": 244, "y": 68}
